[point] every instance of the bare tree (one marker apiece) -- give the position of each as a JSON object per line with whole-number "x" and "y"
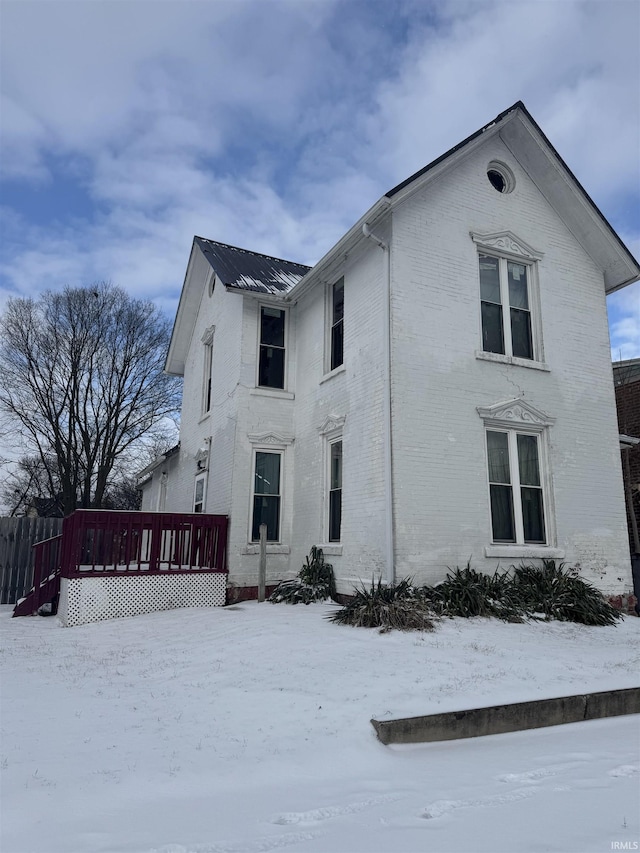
{"x": 32, "y": 486}
{"x": 81, "y": 377}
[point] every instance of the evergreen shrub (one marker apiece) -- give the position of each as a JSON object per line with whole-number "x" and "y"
{"x": 315, "y": 582}
{"x": 386, "y": 606}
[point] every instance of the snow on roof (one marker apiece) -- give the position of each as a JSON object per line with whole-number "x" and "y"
{"x": 252, "y": 271}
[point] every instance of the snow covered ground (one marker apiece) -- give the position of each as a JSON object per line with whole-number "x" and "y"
{"x": 247, "y": 729}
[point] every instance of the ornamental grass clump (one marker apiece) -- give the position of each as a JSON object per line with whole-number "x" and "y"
{"x": 555, "y": 591}
{"x": 398, "y": 606}
{"x": 315, "y": 582}
{"x": 466, "y": 592}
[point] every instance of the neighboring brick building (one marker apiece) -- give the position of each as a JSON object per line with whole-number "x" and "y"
{"x": 436, "y": 389}
{"x": 626, "y": 377}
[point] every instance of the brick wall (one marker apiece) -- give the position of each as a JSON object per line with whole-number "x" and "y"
{"x": 441, "y": 500}
{"x": 440, "y": 480}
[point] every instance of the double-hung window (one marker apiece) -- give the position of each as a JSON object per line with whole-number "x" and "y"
{"x": 331, "y": 431}
{"x": 506, "y": 311}
{"x": 519, "y": 475}
{"x": 199, "y": 493}
{"x": 207, "y": 370}
{"x": 266, "y": 495}
{"x": 335, "y": 490}
{"x": 509, "y": 299}
{"x": 515, "y": 485}
{"x": 337, "y": 325}
{"x": 271, "y": 360}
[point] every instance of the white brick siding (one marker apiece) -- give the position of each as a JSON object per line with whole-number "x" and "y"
{"x": 441, "y": 499}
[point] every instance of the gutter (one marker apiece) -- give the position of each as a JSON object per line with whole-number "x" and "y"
{"x": 143, "y": 476}
{"x": 338, "y": 253}
{"x": 388, "y": 472}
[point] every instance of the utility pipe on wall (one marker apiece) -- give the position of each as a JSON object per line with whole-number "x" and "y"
{"x": 388, "y": 484}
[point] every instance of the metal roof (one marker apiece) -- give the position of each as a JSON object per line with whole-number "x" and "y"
{"x": 252, "y": 271}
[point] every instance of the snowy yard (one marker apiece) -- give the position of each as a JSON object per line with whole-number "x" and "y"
{"x": 247, "y": 729}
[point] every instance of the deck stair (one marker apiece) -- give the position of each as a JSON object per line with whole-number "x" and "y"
{"x": 47, "y": 570}
{"x": 103, "y": 544}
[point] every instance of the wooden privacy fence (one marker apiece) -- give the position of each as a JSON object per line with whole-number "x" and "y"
{"x": 17, "y": 537}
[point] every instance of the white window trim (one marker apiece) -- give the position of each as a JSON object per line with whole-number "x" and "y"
{"x": 519, "y": 416}
{"x": 207, "y": 372}
{"x": 335, "y": 372}
{"x": 275, "y": 391}
{"x": 161, "y": 501}
{"x": 484, "y": 355}
{"x": 328, "y": 328}
{"x": 506, "y": 246}
{"x": 269, "y": 442}
{"x": 200, "y": 478}
{"x": 331, "y": 430}
{"x": 515, "y": 485}
{"x": 329, "y": 442}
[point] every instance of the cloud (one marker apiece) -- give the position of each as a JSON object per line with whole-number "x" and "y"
{"x": 276, "y": 125}
{"x": 624, "y": 322}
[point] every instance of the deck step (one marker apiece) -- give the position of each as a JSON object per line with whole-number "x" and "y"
{"x": 47, "y": 591}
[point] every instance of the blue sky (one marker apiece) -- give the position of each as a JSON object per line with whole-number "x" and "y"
{"x": 129, "y": 126}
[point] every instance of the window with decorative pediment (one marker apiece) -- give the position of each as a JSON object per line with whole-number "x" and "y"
{"x": 269, "y": 451}
{"x": 266, "y": 495}
{"x": 199, "y": 493}
{"x": 207, "y": 370}
{"x": 518, "y": 475}
{"x": 509, "y": 303}
{"x": 331, "y": 431}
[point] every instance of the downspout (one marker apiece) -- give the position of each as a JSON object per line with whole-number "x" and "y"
{"x": 388, "y": 483}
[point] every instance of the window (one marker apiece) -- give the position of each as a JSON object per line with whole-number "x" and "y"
{"x": 515, "y": 486}
{"x": 510, "y": 300}
{"x": 266, "y": 495}
{"x": 506, "y": 312}
{"x": 520, "y": 494}
{"x": 207, "y": 369}
{"x": 206, "y": 384}
{"x": 337, "y": 324}
{"x": 199, "y": 493}
{"x": 335, "y": 490}
{"x": 272, "y": 348}
{"x": 331, "y": 430}
{"x": 501, "y": 177}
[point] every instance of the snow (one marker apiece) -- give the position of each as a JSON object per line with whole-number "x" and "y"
{"x": 247, "y": 728}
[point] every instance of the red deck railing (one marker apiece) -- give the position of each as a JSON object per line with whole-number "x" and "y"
{"x": 113, "y": 543}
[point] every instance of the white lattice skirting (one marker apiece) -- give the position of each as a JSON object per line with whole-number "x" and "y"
{"x": 85, "y": 600}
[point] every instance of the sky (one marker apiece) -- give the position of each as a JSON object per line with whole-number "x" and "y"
{"x": 129, "y": 126}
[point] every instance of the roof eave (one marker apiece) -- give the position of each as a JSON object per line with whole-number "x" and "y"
{"x": 340, "y": 250}
{"x": 570, "y": 200}
{"x": 563, "y": 191}
{"x": 177, "y": 353}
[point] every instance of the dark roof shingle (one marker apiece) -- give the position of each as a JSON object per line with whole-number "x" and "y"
{"x": 250, "y": 270}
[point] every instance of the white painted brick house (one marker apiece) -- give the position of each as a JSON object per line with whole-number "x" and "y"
{"x": 437, "y": 388}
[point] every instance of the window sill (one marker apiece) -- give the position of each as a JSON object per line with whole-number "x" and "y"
{"x": 533, "y": 551}
{"x": 273, "y": 548}
{"x": 335, "y": 372}
{"x": 331, "y": 549}
{"x": 205, "y": 417}
{"x": 512, "y": 359}
{"x": 273, "y": 392}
